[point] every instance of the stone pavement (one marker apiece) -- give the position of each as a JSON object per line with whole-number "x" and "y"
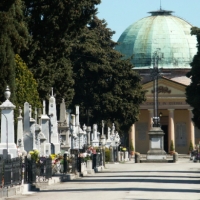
{"x": 129, "y": 181}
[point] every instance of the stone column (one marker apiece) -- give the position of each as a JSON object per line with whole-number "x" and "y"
{"x": 132, "y": 135}
{"x": 20, "y": 137}
{"x": 191, "y": 127}
{"x": 171, "y": 128}
{"x": 150, "y": 118}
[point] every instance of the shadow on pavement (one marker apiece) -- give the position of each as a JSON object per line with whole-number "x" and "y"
{"x": 145, "y": 176}
{"x": 125, "y": 189}
{"x": 139, "y": 180}
{"x": 158, "y": 171}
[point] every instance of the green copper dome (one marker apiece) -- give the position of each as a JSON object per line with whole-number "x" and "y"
{"x": 162, "y": 35}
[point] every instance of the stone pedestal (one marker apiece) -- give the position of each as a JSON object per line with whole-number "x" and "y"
{"x": 156, "y": 144}
{"x": 7, "y": 126}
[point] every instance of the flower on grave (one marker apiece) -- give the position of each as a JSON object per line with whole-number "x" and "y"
{"x": 34, "y": 154}
{"x": 56, "y": 158}
{"x": 123, "y": 149}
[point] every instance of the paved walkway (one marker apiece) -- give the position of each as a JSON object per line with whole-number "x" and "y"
{"x": 130, "y": 181}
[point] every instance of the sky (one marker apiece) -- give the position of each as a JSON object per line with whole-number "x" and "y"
{"x": 120, "y": 14}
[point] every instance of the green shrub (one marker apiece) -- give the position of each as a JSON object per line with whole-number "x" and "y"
{"x": 172, "y": 146}
{"x": 191, "y": 147}
{"x": 107, "y": 154}
{"x": 131, "y": 146}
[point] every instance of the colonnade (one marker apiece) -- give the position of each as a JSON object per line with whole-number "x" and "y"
{"x": 171, "y": 127}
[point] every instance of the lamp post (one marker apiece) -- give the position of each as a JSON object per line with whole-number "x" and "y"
{"x": 6, "y": 132}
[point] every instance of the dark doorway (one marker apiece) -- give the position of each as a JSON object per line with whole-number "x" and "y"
{"x": 165, "y": 130}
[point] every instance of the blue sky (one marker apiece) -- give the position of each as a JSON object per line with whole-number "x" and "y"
{"x": 119, "y": 14}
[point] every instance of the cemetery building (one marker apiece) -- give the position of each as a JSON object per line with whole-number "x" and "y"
{"x": 167, "y": 38}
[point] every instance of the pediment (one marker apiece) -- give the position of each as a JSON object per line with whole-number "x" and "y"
{"x": 171, "y": 95}
{"x": 166, "y": 88}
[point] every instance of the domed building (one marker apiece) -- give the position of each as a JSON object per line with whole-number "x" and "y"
{"x": 164, "y": 39}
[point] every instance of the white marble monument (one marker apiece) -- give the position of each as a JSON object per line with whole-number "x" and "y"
{"x": 7, "y": 126}
{"x": 20, "y": 134}
{"x": 54, "y": 125}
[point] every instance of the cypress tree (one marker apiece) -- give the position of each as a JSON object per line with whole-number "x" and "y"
{"x": 107, "y": 88}
{"x": 54, "y": 27}
{"x": 26, "y": 85}
{"x": 193, "y": 90}
{"x": 13, "y": 39}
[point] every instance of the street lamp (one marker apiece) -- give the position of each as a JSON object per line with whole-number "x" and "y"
{"x": 6, "y": 132}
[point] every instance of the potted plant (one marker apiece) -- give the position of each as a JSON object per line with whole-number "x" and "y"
{"x": 137, "y": 157}
{"x": 191, "y": 147}
{"x": 131, "y": 148}
{"x": 172, "y": 149}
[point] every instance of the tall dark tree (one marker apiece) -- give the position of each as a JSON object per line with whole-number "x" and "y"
{"x": 54, "y": 27}
{"x": 13, "y": 39}
{"x": 193, "y": 90}
{"x": 107, "y": 87}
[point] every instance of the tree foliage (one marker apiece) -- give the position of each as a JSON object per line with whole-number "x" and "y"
{"x": 193, "y": 90}
{"x": 54, "y": 27}
{"x": 26, "y": 85}
{"x": 107, "y": 88}
{"x": 13, "y": 39}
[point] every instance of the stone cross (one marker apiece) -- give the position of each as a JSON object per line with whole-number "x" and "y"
{"x": 155, "y": 74}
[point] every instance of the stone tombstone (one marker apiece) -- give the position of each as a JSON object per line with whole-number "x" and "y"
{"x": 95, "y": 141}
{"x": 113, "y": 129}
{"x": 20, "y": 137}
{"x": 63, "y": 116}
{"x": 7, "y": 126}
{"x": 26, "y": 118}
{"x": 32, "y": 126}
{"x": 37, "y": 138}
{"x": 28, "y": 137}
{"x": 54, "y": 125}
{"x": 64, "y": 129}
{"x": 88, "y": 130}
{"x": 108, "y": 141}
{"x": 45, "y": 132}
{"x": 73, "y": 134}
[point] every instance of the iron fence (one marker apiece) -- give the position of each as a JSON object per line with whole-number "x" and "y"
{"x": 97, "y": 160}
{"x": 10, "y": 172}
{"x": 37, "y": 172}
